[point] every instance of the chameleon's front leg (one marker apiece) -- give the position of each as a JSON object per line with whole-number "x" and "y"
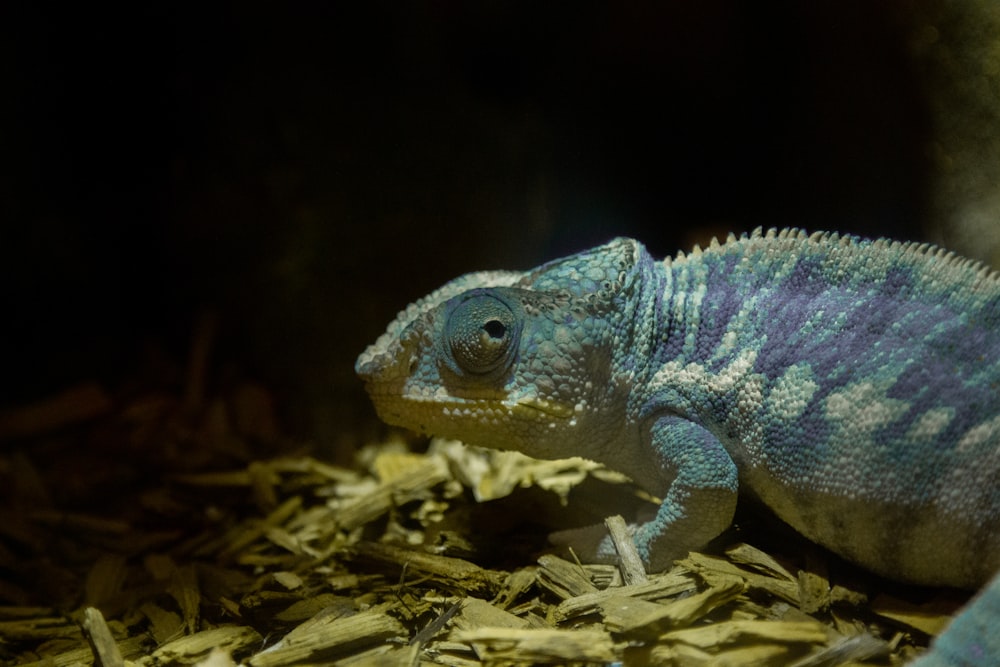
{"x": 699, "y": 498}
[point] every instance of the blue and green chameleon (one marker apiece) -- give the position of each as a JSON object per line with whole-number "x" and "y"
{"x": 852, "y": 386}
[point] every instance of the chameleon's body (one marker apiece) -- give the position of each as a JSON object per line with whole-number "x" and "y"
{"x": 852, "y": 386}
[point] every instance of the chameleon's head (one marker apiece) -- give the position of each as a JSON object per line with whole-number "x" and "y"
{"x": 515, "y": 361}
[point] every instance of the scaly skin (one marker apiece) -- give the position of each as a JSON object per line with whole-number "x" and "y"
{"x": 852, "y": 386}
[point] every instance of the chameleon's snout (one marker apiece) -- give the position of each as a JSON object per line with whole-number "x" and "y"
{"x": 365, "y": 367}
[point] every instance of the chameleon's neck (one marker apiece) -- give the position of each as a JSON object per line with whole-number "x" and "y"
{"x": 709, "y": 312}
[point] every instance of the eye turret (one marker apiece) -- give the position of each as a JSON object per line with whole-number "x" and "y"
{"x": 481, "y": 333}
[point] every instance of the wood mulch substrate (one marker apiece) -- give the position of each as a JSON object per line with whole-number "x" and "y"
{"x": 147, "y": 532}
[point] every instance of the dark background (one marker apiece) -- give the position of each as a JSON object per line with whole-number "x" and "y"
{"x": 303, "y": 171}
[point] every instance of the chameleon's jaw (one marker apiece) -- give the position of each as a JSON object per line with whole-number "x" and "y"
{"x": 504, "y": 422}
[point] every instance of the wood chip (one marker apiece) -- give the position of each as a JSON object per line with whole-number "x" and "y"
{"x": 752, "y": 557}
{"x": 639, "y": 618}
{"x": 563, "y": 578}
{"x": 450, "y": 571}
{"x": 668, "y": 585}
{"x": 846, "y": 651}
{"x": 330, "y": 637}
{"x": 193, "y": 648}
{"x": 105, "y": 648}
{"x": 633, "y": 571}
{"x": 729, "y": 632}
{"x": 540, "y": 646}
{"x": 404, "y": 487}
{"x": 714, "y": 569}
{"x": 929, "y": 618}
{"x": 476, "y": 613}
{"x": 165, "y": 626}
{"x": 131, "y": 648}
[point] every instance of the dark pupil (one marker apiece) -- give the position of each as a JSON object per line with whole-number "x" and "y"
{"x": 495, "y": 329}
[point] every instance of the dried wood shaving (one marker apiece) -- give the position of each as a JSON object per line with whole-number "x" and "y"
{"x": 195, "y": 647}
{"x": 633, "y": 571}
{"x": 540, "y": 646}
{"x": 928, "y": 618}
{"x": 101, "y": 640}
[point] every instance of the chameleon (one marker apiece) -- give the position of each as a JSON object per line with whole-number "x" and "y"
{"x": 850, "y": 385}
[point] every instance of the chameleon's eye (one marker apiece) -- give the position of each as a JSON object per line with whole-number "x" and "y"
{"x": 480, "y": 331}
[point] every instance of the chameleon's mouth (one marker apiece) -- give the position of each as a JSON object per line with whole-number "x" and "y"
{"x": 398, "y": 407}
{"x": 548, "y": 408}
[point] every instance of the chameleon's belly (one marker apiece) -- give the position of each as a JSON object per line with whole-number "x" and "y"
{"x": 924, "y": 544}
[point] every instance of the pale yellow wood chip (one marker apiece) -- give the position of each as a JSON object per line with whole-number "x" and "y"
{"x": 96, "y": 629}
{"x": 674, "y": 655}
{"x": 253, "y": 530}
{"x": 563, "y": 578}
{"x": 763, "y": 655}
{"x": 280, "y": 537}
{"x": 456, "y": 571}
{"x": 330, "y": 637}
{"x": 476, "y": 613}
{"x": 516, "y": 584}
{"x": 192, "y": 648}
{"x": 289, "y": 580}
{"x": 712, "y": 568}
{"x": 930, "y": 618}
{"x": 391, "y": 466}
{"x": 540, "y": 646}
{"x": 682, "y": 655}
{"x": 407, "y": 486}
{"x": 661, "y": 586}
{"x": 634, "y": 617}
{"x": 751, "y": 556}
{"x": 844, "y": 651}
{"x": 726, "y": 632}
{"x": 633, "y": 571}
{"x": 131, "y": 648}
{"x": 688, "y": 609}
{"x": 217, "y": 658}
{"x": 387, "y": 655}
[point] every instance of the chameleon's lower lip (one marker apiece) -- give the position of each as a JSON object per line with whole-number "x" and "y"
{"x": 465, "y": 407}
{"x": 557, "y": 410}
